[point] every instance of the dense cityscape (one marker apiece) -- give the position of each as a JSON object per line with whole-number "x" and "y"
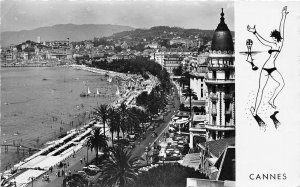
{"x": 171, "y": 122}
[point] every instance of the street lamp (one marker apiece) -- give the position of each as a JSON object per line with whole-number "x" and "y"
{"x": 147, "y": 151}
{"x": 65, "y": 164}
{"x": 30, "y": 178}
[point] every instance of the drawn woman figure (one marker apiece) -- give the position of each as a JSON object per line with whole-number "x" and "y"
{"x": 269, "y": 69}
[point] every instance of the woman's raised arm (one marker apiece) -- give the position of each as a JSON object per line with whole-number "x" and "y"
{"x": 282, "y": 21}
{"x": 261, "y": 39}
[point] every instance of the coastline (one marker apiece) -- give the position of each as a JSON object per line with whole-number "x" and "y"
{"x": 120, "y": 79}
{"x": 12, "y": 157}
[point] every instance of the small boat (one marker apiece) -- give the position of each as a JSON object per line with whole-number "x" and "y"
{"x": 97, "y": 93}
{"x": 86, "y": 94}
{"x": 88, "y": 91}
{"x": 117, "y": 92}
{"x": 109, "y": 79}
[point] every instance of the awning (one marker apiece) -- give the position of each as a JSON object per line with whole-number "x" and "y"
{"x": 192, "y": 160}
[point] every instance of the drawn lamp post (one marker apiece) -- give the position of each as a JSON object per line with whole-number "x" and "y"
{"x": 249, "y": 44}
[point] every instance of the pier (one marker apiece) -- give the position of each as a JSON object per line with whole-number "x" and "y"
{"x": 27, "y": 65}
{"x": 19, "y": 147}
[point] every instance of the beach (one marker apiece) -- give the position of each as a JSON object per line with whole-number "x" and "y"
{"x": 40, "y": 104}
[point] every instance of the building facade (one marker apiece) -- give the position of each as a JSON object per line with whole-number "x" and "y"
{"x": 220, "y": 81}
{"x": 213, "y": 79}
{"x": 172, "y": 62}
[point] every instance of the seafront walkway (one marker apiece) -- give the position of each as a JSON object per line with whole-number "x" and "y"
{"x": 73, "y": 164}
{"x": 76, "y": 165}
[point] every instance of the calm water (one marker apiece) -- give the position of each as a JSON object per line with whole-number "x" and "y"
{"x": 36, "y": 103}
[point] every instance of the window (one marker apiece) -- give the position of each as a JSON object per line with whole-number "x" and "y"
{"x": 214, "y": 121}
{"x": 214, "y": 89}
{"x": 214, "y": 74}
{"x": 227, "y": 75}
{"x": 227, "y": 121}
{"x": 227, "y": 106}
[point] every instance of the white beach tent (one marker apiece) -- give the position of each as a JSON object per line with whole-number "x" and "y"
{"x": 33, "y": 162}
{"x": 25, "y": 178}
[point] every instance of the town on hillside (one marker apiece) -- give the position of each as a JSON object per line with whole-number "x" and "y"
{"x": 188, "y": 136}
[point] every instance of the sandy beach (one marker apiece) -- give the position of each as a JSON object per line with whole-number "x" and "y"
{"x": 43, "y": 118}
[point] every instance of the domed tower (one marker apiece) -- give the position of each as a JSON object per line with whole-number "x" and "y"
{"x": 222, "y": 39}
{"x": 220, "y": 81}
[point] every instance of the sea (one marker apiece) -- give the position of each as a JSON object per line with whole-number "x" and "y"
{"x": 39, "y": 104}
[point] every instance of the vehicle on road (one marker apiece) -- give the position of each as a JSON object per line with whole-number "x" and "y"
{"x": 153, "y": 134}
{"x": 83, "y": 174}
{"x": 124, "y": 142}
{"x": 93, "y": 168}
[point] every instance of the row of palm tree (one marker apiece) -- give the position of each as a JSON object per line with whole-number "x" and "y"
{"x": 187, "y": 92}
{"x": 97, "y": 141}
{"x": 121, "y": 119}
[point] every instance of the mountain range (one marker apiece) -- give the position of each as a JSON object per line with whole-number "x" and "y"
{"x": 62, "y": 32}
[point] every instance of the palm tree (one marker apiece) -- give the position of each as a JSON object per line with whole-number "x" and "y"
{"x": 114, "y": 123}
{"x": 124, "y": 117}
{"x": 120, "y": 168}
{"x": 102, "y": 113}
{"x": 189, "y": 93}
{"x": 133, "y": 120}
{"x": 97, "y": 141}
{"x": 184, "y": 79}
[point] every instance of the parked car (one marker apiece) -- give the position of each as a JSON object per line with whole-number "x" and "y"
{"x": 93, "y": 168}
{"x": 124, "y": 142}
{"x": 83, "y": 174}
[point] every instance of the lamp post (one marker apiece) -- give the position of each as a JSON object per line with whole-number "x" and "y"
{"x": 30, "y": 178}
{"x": 87, "y": 154}
{"x": 65, "y": 164}
{"x": 147, "y": 150}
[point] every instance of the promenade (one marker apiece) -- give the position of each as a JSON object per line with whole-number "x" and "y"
{"x": 139, "y": 150}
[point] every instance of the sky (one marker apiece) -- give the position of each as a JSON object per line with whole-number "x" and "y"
{"x": 29, "y": 14}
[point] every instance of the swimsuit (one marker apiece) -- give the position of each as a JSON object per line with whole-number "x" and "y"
{"x": 272, "y": 50}
{"x": 270, "y": 70}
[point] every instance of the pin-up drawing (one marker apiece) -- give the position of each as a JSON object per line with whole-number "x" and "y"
{"x": 268, "y": 70}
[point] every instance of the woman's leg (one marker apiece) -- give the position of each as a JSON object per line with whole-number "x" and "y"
{"x": 277, "y": 77}
{"x": 263, "y": 79}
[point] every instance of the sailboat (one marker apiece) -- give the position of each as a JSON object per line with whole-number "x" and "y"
{"x": 88, "y": 91}
{"x": 118, "y": 91}
{"x": 109, "y": 79}
{"x": 86, "y": 94}
{"x": 97, "y": 93}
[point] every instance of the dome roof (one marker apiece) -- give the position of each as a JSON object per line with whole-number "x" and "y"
{"x": 222, "y": 39}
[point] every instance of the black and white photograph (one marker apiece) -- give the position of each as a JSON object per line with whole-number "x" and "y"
{"x": 105, "y": 93}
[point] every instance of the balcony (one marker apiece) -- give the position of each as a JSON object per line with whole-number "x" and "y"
{"x": 220, "y": 66}
{"x": 220, "y": 128}
{"x": 213, "y": 96}
{"x": 219, "y": 81}
{"x": 198, "y": 128}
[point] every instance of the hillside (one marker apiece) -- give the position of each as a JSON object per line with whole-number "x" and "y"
{"x": 62, "y": 32}
{"x": 163, "y": 32}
